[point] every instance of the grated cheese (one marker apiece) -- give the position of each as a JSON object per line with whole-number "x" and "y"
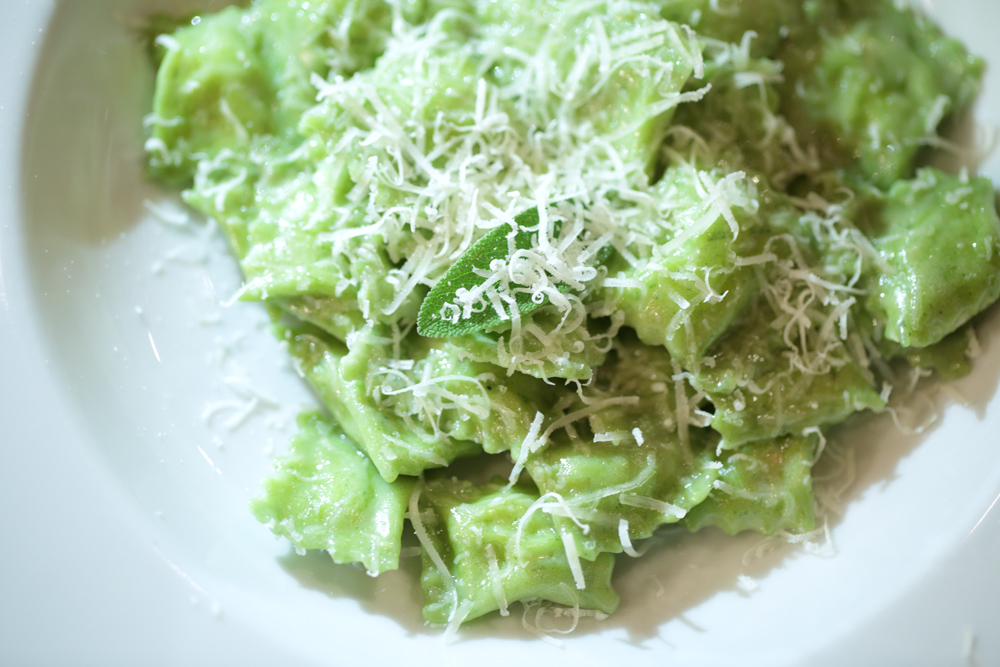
{"x": 532, "y": 443}
{"x": 573, "y": 557}
{"x": 416, "y": 521}
{"x": 664, "y": 508}
{"x": 496, "y": 582}
{"x": 458, "y": 617}
{"x": 425, "y": 179}
{"x": 546, "y": 502}
{"x": 625, "y": 539}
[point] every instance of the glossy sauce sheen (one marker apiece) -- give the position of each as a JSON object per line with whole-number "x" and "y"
{"x": 732, "y": 246}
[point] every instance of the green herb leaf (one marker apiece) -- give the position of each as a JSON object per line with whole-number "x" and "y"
{"x": 462, "y": 274}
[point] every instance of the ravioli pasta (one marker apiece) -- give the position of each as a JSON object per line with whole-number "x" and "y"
{"x": 716, "y": 243}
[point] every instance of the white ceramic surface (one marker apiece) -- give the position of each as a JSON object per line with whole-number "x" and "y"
{"x": 129, "y": 449}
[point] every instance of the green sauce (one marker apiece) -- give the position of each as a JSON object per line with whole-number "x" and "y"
{"x": 720, "y": 245}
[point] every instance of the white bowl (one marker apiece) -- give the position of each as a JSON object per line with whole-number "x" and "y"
{"x": 137, "y": 415}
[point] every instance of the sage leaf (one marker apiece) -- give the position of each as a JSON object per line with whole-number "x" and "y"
{"x": 463, "y": 274}
{"x": 468, "y": 271}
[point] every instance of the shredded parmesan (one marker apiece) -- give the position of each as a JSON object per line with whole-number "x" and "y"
{"x": 625, "y": 539}
{"x": 660, "y": 506}
{"x": 565, "y": 119}
{"x": 496, "y": 580}
{"x": 531, "y": 444}
{"x": 428, "y": 546}
{"x": 546, "y": 502}
{"x": 458, "y": 617}
{"x": 573, "y": 558}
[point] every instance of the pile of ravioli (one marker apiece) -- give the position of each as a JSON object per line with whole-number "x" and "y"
{"x": 731, "y": 250}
